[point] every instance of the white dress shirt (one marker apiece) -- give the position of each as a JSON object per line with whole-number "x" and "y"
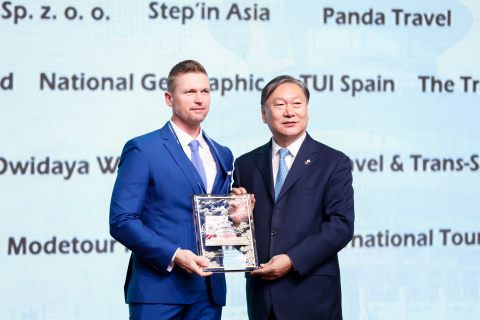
{"x": 293, "y": 148}
{"x": 205, "y": 153}
{"x": 208, "y": 163}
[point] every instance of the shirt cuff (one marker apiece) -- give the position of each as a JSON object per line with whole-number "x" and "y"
{"x": 172, "y": 262}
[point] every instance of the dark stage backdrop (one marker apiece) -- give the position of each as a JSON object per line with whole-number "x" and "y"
{"x": 394, "y": 85}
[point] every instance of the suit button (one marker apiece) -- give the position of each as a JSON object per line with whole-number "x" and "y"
{"x": 273, "y": 233}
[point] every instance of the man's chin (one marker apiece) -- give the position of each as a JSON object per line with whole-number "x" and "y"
{"x": 191, "y": 118}
{"x": 291, "y": 131}
{"x": 197, "y": 119}
{"x": 292, "y": 134}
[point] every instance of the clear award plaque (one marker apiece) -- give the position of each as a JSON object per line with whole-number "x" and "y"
{"x": 225, "y": 232}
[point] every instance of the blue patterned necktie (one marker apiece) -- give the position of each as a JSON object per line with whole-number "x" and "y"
{"x": 282, "y": 172}
{"x": 197, "y": 161}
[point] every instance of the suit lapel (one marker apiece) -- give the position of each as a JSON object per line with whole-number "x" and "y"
{"x": 264, "y": 164}
{"x": 221, "y": 170}
{"x": 176, "y": 151}
{"x": 300, "y": 165}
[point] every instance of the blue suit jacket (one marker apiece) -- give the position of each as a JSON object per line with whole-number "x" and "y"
{"x": 151, "y": 214}
{"x": 311, "y": 221}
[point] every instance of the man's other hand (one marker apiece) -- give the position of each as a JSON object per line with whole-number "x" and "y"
{"x": 190, "y": 262}
{"x": 276, "y": 268}
{"x": 240, "y": 191}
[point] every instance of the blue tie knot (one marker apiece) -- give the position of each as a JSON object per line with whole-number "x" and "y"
{"x": 283, "y": 153}
{"x": 194, "y": 145}
{"x": 282, "y": 172}
{"x": 197, "y": 162}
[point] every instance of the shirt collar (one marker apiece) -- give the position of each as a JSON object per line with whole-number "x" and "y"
{"x": 185, "y": 138}
{"x": 293, "y": 148}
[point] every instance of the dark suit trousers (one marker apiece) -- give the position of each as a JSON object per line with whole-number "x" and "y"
{"x": 204, "y": 308}
{"x": 272, "y": 314}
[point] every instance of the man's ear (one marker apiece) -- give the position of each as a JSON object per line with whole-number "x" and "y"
{"x": 169, "y": 98}
{"x": 264, "y": 117}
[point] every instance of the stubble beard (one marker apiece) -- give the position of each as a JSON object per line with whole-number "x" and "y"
{"x": 190, "y": 117}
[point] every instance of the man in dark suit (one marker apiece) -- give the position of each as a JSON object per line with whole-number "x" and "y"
{"x": 303, "y": 212}
{"x": 151, "y": 208}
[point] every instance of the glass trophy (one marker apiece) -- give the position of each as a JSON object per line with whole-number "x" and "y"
{"x": 225, "y": 232}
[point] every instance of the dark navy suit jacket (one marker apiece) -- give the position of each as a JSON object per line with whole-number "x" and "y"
{"x": 311, "y": 221}
{"x": 151, "y": 214}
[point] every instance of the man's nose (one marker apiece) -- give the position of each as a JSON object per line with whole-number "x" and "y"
{"x": 289, "y": 110}
{"x": 198, "y": 98}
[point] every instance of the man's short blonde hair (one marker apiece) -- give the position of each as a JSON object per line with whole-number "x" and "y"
{"x": 183, "y": 67}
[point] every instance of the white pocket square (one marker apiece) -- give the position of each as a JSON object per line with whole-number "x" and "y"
{"x": 229, "y": 173}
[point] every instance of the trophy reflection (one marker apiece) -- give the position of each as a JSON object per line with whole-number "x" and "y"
{"x": 225, "y": 233}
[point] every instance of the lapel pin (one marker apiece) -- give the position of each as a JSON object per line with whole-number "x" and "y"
{"x": 307, "y": 162}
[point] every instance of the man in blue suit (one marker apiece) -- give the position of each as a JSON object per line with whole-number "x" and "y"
{"x": 151, "y": 208}
{"x": 303, "y": 212}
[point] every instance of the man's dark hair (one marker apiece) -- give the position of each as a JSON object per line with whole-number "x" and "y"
{"x": 183, "y": 67}
{"x": 278, "y": 81}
